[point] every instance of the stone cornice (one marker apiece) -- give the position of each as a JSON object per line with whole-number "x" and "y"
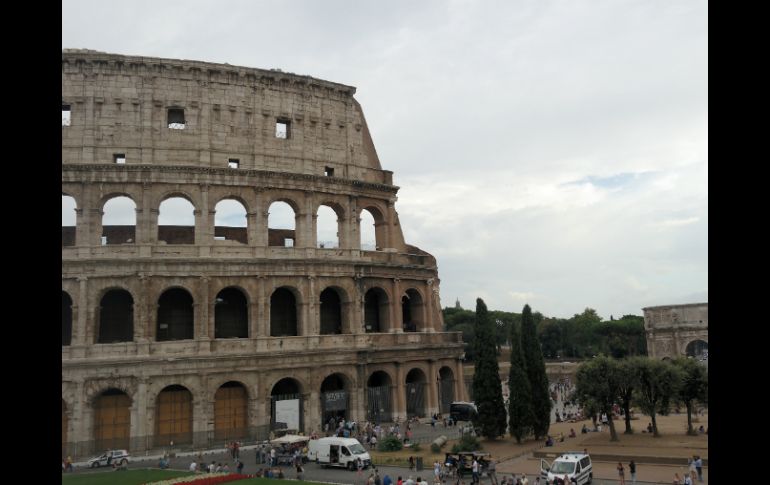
{"x": 686, "y": 305}
{"x": 246, "y": 174}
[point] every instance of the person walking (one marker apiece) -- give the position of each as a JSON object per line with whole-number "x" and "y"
{"x": 491, "y": 471}
{"x": 699, "y": 468}
{"x": 475, "y": 471}
{"x": 632, "y": 471}
{"x": 239, "y": 467}
{"x": 621, "y": 474}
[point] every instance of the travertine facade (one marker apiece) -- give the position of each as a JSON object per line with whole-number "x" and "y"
{"x": 207, "y": 333}
{"x": 677, "y": 330}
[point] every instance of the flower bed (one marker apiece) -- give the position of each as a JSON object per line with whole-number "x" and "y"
{"x": 203, "y": 479}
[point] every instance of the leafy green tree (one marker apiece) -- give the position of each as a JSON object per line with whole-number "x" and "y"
{"x": 487, "y": 391}
{"x": 658, "y": 383}
{"x": 538, "y": 381}
{"x": 694, "y": 386}
{"x": 549, "y": 334}
{"x": 599, "y": 380}
{"x": 520, "y": 418}
{"x": 460, "y": 320}
{"x": 628, "y": 373}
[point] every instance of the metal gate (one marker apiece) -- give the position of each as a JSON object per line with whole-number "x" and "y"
{"x": 379, "y": 406}
{"x": 415, "y": 399}
{"x": 274, "y": 423}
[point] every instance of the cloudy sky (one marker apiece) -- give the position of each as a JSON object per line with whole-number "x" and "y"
{"x": 548, "y": 152}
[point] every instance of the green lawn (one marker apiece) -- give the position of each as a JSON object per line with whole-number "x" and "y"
{"x": 269, "y": 481}
{"x": 128, "y": 477}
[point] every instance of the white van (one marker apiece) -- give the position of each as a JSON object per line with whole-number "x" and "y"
{"x": 342, "y": 452}
{"x": 577, "y": 466}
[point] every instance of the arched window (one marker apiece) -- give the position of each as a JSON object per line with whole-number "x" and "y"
{"x": 286, "y": 403}
{"x": 375, "y": 310}
{"x": 231, "y": 314}
{"x": 412, "y": 307}
{"x": 331, "y": 312}
{"x": 283, "y": 313}
{"x": 66, "y": 318}
{"x": 68, "y": 220}
{"x": 334, "y": 399}
{"x": 116, "y": 317}
{"x": 176, "y": 221}
{"x": 446, "y": 388}
{"x": 230, "y": 223}
{"x": 327, "y": 228}
{"x": 368, "y": 233}
{"x": 119, "y": 221}
{"x": 281, "y": 225}
{"x": 176, "y": 319}
{"x": 415, "y": 393}
{"x": 173, "y": 416}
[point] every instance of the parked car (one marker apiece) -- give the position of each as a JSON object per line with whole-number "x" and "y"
{"x": 463, "y": 461}
{"x": 110, "y": 457}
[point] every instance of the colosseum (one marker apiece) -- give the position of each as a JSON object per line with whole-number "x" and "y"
{"x": 192, "y": 315}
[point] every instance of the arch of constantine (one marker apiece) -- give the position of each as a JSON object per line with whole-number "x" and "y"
{"x": 677, "y": 330}
{"x": 204, "y": 330}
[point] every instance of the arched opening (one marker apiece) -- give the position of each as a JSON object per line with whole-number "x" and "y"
{"x": 66, "y": 319}
{"x": 286, "y": 406}
{"x": 411, "y": 311}
{"x": 64, "y": 428}
{"x": 283, "y": 313}
{"x": 231, "y": 314}
{"x": 176, "y": 315}
{"x": 68, "y": 220}
{"x": 327, "y": 228}
{"x": 446, "y": 389}
{"x": 331, "y": 312}
{"x": 379, "y": 397}
{"x": 334, "y": 401}
{"x": 119, "y": 221}
{"x": 281, "y": 224}
{"x": 698, "y": 349}
{"x": 112, "y": 420}
{"x": 230, "y": 223}
{"x": 116, "y": 317}
{"x": 230, "y": 412}
{"x": 176, "y": 221}
{"x": 375, "y": 310}
{"x": 173, "y": 416}
{"x": 367, "y": 232}
{"x": 415, "y": 393}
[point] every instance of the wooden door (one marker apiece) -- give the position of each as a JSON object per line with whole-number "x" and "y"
{"x": 112, "y": 421}
{"x": 230, "y": 405}
{"x": 173, "y": 417}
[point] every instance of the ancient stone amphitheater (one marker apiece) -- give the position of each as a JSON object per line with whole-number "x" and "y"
{"x": 210, "y": 328}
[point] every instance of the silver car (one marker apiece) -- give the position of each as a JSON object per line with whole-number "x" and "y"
{"x": 110, "y": 457}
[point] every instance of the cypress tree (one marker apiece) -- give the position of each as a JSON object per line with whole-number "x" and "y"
{"x": 487, "y": 390}
{"x": 535, "y": 366}
{"x": 519, "y": 394}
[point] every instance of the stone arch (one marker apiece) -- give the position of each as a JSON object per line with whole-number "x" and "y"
{"x": 697, "y": 348}
{"x": 69, "y": 207}
{"x": 231, "y": 404}
{"x": 229, "y": 225}
{"x": 118, "y": 219}
{"x": 412, "y": 310}
{"x": 173, "y": 227}
{"x": 231, "y": 313}
{"x": 173, "y": 416}
{"x": 112, "y": 419}
{"x": 287, "y": 404}
{"x": 66, "y": 319}
{"x": 116, "y": 316}
{"x": 416, "y": 392}
{"x": 284, "y": 312}
{"x": 176, "y": 315}
{"x": 380, "y": 390}
{"x": 332, "y": 321}
{"x": 446, "y": 388}
{"x": 282, "y": 228}
{"x": 329, "y": 217}
{"x": 335, "y": 398}
{"x": 376, "y": 310}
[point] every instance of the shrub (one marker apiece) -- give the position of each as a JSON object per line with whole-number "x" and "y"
{"x": 415, "y": 447}
{"x": 466, "y": 443}
{"x": 435, "y": 448}
{"x": 389, "y": 443}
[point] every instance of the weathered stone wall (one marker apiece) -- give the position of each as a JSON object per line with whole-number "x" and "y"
{"x": 119, "y": 104}
{"x": 671, "y": 328}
